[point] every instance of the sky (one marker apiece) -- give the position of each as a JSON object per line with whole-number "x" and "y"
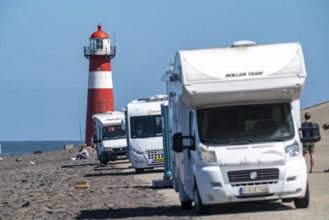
{"x": 44, "y": 74}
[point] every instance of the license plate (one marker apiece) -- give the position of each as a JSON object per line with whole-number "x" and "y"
{"x": 159, "y": 160}
{"x": 254, "y": 190}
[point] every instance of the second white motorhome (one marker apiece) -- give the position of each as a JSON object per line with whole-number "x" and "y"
{"x": 234, "y": 117}
{"x": 144, "y": 132}
{"x": 109, "y": 137}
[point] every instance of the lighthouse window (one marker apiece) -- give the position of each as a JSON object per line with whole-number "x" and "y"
{"x": 99, "y": 44}
{"x": 96, "y": 44}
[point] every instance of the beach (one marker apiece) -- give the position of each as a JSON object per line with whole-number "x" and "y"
{"x": 42, "y": 186}
{"x": 46, "y": 186}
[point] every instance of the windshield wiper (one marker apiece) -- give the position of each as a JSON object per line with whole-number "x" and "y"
{"x": 266, "y": 139}
{"x": 224, "y": 142}
{"x": 210, "y": 141}
{"x": 244, "y": 141}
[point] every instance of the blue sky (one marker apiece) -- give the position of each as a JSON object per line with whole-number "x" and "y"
{"x": 44, "y": 75}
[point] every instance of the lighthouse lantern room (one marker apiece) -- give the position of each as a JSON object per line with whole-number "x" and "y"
{"x": 100, "y": 86}
{"x": 100, "y": 44}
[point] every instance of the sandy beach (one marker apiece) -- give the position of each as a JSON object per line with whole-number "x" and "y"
{"x": 43, "y": 186}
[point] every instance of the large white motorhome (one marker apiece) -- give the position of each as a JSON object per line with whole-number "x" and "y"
{"x": 234, "y": 117}
{"x": 109, "y": 137}
{"x": 144, "y": 132}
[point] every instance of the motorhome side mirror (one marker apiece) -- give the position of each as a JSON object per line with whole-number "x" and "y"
{"x": 310, "y": 134}
{"x": 123, "y": 125}
{"x": 177, "y": 142}
{"x": 94, "y": 140}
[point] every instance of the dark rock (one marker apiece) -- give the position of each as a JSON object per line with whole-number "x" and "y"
{"x": 68, "y": 146}
{"x": 38, "y": 152}
{"x": 26, "y": 204}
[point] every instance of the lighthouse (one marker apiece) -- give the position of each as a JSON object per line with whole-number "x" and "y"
{"x": 100, "y": 86}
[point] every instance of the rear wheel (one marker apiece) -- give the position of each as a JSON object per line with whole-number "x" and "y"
{"x": 301, "y": 203}
{"x": 199, "y": 207}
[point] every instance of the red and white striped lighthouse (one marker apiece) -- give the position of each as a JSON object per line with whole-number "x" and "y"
{"x": 100, "y": 86}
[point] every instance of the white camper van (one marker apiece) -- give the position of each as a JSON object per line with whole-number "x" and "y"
{"x": 144, "y": 132}
{"x": 109, "y": 137}
{"x": 234, "y": 117}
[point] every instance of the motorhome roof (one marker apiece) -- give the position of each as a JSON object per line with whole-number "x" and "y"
{"x": 230, "y": 63}
{"x": 108, "y": 118}
{"x": 243, "y": 72}
{"x": 152, "y": 99}
{"x": 148, "y": 106}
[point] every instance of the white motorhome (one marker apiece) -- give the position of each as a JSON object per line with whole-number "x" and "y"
{"x": 144, "y": 132}
{"x": 234, "y": 117}
{"x": 109, "y": 137}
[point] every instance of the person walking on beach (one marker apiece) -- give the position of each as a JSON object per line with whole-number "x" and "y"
{"x": 308, "y": 148}
{"x": 83, "y": 153}
{"x": 326, "y": 127}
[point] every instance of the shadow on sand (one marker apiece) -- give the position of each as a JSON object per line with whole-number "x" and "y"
{"x": 177, "y": 212}
{"x": 121, "y": 171}
{"x": 79, "y": 165}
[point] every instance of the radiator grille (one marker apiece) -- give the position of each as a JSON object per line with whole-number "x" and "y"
{"x": 253, "y": 177}
{"x": 154, "y": 154}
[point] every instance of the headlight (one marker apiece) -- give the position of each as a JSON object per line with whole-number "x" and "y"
{"x": 208, "y": 156}
{"x": 137, "y": 152}
{"x": 292, "y": 150}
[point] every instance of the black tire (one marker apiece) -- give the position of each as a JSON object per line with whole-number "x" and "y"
{"x": 199, "y": 207}
{"x": 139, "y": 170}
{"x": 102, "y": 160}
{"x": 114, "y": 158}
{"x": 302, "y": 203}
{"x": 185, "y": 203}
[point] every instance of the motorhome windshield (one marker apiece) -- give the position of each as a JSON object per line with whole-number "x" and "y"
{"x": 113, "y": 132}
{"x": 146, "y": 126}
{"x": 245, "y": 124}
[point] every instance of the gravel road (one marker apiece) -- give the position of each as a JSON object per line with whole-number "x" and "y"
{"x": 43, "y": 186}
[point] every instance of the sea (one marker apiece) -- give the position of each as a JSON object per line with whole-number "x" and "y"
{"x": 18, "y": 148}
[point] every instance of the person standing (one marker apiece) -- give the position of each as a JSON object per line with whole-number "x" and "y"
{"x": 308, "y": 148}
{"x": 326, "y": 127}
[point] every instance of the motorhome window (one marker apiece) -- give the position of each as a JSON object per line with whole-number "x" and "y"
{"x": 113, "y": 132}
{"x": 190, "y": 123}
{"x": 245, "y": 124}
{"x": 145, "y": 126}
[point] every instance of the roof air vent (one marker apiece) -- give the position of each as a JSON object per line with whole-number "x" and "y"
{"x": 243, "y": 43}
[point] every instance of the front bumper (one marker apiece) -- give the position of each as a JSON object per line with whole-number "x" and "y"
{"x": 114, "y": 153}
{"x": 216, "y": 186}
{"x": 147, "y": 159}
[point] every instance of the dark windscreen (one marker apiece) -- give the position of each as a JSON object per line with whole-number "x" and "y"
{"x": 245, "y": 124}
{"x": 113, "y": 132}
{"x": 146, "y": 126}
